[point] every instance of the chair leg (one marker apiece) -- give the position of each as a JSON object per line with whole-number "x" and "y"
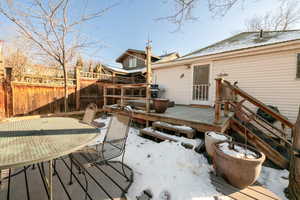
{"x": 71, "y": 172}
{"x": 127, "y": 179}
{"x": 54, "y": 166}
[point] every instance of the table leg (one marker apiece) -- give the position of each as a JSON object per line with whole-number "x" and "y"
{"x": 50, "y": 180}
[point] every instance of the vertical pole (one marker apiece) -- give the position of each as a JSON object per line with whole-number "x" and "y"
{"x": 8, "y": 92}
{"x": 149, "y": 76}
{"x": 122, "y": 96}
{"x": 114, "y": 90}
{"x": 218, "y": 100}
{"x": 77, "y": 87}
{"x": 226, "y": 108}
{"x": 104, "y": 95}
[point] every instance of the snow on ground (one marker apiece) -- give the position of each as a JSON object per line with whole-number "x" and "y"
{"x": 182, "y": 172}
{"x": 167, "y": 166}
{"x": 275, "y": 180}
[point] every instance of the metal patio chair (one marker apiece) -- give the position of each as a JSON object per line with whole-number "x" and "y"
{"x": 113, "y": 146}
{"x": 89, "y": 114}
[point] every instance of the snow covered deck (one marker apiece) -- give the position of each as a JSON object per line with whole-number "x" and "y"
{"x": 201, "y": 119}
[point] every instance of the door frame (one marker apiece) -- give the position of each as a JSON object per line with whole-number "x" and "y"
{"x": 208, "y": 102}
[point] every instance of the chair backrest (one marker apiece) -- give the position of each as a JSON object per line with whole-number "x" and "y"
{"x": 89, "y": 114}
{"x": 118, "y": 128}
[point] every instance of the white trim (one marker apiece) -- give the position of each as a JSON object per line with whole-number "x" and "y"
{"x": 209, "y": 82}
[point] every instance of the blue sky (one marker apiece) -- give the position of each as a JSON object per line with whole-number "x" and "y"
{"x": 129, "y": 24}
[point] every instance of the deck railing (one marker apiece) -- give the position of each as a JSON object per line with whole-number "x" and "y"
{"x": 261, "y": 133}
{"x": 200, "y": 92}
{"x": 122, "y": 93}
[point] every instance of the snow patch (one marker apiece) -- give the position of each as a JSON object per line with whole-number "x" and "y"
{"x": 167, "y": 166}
{"x": 194, "y": 142}
{"x": 275, "y": 180}
{"x": 237, "y": 151}
{"x": 183, "y": 127}
{"x": 217, "y": 136}
{"x": 248, "y": 41}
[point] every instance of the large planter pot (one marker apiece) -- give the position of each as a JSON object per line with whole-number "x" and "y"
{"x": 160, "y": 105}
{"x": 238, "y": 170}
{"x": 213, "y": 137}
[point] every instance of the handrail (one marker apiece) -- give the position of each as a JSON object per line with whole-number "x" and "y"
{"x": 271, "y": 125}
{"x": 259, "y": 104}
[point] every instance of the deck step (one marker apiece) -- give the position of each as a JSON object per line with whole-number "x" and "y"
{"x": 185, "y": 130}
{"x": 187, "y": 143}
{"x": 272, "y": 149}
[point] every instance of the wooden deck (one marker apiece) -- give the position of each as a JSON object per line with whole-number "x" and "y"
{"x": 201, "y": 119}
{"x": 253, "y": 192}
{"x": 102, "y": 182}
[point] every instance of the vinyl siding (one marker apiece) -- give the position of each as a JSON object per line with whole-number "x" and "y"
{"x": 270, "y": 78}
{"x": 176, "y": 88}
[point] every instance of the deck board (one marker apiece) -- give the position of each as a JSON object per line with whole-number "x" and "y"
{"x": 38, "y": 192}
{"x": 201, "y": 119}
{"x": 253, "y": 192}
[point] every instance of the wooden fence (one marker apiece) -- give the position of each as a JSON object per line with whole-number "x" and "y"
{"x": 37, "y": 96}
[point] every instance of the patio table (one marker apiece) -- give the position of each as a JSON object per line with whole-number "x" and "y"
{"x": 31, "y": 141}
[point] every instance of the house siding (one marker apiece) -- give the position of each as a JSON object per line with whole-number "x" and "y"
{"x": 176, "y": 88}
{"x": 271, "y": 78}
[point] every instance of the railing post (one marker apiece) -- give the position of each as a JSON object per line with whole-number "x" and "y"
{"x": 77, "y": 87}
{"x": 218, "y": 100}
{"x": 122, "y": 96}
{"x": 104, "y": 95}
{"x": 149, "y": 76}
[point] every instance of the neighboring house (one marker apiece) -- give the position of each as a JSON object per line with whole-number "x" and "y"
{"x": 134, "y": 62}
{"x": 265, "y": 64}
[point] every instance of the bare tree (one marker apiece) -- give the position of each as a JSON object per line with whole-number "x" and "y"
{"x": 52, "y": 28}
{"x": 287, "y": 16}
{"x": 183, "y": 10}
{"x": 18, "y": 61}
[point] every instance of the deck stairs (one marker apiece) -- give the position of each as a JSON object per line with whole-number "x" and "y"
{"x": 266, "y": 137}
{"x": 164, "y": 131}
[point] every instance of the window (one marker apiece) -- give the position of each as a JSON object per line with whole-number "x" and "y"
{"x": 132, "y": 62}
{"x": 298, "y": 66}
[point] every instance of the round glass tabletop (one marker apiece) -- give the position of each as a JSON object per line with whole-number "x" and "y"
{"x": 31, "y": 141}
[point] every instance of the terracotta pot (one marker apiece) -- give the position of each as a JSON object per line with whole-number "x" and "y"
{"x": 239, "y": 172}
{"x": 210, "y": 141}
{"x": 160, "y": 105}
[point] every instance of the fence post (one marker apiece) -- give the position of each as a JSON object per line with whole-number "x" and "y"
{"x": 9, "y": 110}
{"x": 218, "y": 100}
{"x": 77, "y": 74}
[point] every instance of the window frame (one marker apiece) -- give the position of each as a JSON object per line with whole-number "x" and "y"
{"x": 132, "y": 62}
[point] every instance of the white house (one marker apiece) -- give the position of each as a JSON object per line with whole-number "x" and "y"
{"x": 265, "y": 64}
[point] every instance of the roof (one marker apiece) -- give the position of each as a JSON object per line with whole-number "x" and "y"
{"x": 128, "y": 51}
{"x": 168, "y": 57}
{"x": 245, "y": 40}
{"x": 123, "y": 71}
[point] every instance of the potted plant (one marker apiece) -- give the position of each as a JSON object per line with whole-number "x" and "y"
{"x": 160, "y": 105}
{"x": 238, "y": 163}
{"x": 211, "y": 138}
